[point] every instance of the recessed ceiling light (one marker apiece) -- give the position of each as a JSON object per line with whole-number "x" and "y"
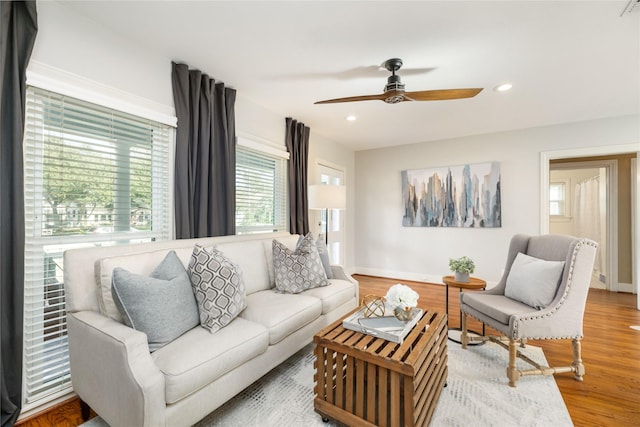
{"x": 351, "y": 118}
{"x": 503, "y": 87}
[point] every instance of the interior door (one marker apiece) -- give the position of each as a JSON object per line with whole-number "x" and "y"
{"x": 333, "y": 219}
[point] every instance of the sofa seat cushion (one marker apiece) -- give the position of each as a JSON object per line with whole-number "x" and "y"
{"x": 281, "y": 314}
{"x": 198, "y": 357}
{"x": 333, "y": 296}
{"x": 498, "y": 307}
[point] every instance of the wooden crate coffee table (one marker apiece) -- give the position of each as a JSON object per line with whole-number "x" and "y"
{"x": 362, "y": 380}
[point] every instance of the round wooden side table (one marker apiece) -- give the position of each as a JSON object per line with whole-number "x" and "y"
{"x": 473, "y": 284}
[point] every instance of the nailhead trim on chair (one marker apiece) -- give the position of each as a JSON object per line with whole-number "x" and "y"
{"x": 562, "y": 300}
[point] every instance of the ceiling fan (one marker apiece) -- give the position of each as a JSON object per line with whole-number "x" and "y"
{"x": 394, "y": 90}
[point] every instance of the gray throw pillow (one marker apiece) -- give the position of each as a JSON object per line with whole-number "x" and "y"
{"x": 161, "y": 305}
{"x": 219, "y": 287}
{"x": 323, "y": 251}
{"x": 533, "y": 281}
{"x": 299, "y": 270}
{"x": 324, "y": 257}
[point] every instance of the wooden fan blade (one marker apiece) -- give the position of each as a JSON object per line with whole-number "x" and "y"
{"x": 382, "y": 96}
{"x": 441, "y": 94}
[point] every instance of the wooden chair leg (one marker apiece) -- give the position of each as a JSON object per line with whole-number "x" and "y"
{"x": 512, "y": 371}
{"x": 577, "y": 360}
{"x": 464, "y": 337}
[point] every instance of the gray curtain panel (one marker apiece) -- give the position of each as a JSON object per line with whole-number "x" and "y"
{"x": 297, "y": 140}
{"x": 205, "y": 159}
{"x": 17, "y": 35}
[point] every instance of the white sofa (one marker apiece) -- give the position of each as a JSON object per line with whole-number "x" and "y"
{"x": 112, "y": 369}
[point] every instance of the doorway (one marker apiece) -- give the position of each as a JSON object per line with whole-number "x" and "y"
{"x": 630, "y": 179}
{"x": 332, "y": 220}
{"x": 583, "y": 202}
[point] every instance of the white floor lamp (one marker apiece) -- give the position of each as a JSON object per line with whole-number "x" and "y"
{"x": 327, "y": 197}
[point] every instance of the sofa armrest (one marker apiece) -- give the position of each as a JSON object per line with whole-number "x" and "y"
{"x": 339, "y": 273}
{"x": 112, "y": 371}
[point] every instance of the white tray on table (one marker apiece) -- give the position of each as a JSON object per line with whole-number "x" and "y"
{"x": 386, "y": 327}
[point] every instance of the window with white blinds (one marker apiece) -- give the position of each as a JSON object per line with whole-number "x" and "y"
{"x": 93, "y": 176}
{"x": 261, "y": 191}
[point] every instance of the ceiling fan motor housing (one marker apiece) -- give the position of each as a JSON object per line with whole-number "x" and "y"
{"x": 397, "y": 87}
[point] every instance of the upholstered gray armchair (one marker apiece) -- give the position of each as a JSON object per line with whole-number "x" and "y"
{"x": 541, "y": 295}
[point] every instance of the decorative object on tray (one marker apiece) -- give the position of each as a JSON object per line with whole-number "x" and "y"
{"x": 387, "y": 327}
{"x": 373, "y": 305}
{"x": 403, "y": 300}
{"x": 404, "y": 314}
{"x": 462, "y": 268}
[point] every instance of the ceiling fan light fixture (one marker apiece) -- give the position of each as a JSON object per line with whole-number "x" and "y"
{"x": 503, "y": 87}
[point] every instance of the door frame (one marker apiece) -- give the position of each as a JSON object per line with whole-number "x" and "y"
{"x": 547, "y": 156}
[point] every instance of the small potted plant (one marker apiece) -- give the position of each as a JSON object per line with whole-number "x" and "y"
{"x": 462, "y": 267}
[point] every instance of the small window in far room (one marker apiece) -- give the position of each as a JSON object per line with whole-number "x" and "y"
{"x": 558, "y": 199}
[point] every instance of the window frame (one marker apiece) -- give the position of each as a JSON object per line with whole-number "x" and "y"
{"x": 566, "y": 201}
{"x": 38, "y": 241}
{"x": 266, "y": 151}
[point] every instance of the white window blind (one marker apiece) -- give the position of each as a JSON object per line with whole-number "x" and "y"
{"x": 557, "y": 198}
{"x": 261, "y": 191}
{"x": 93, "y": 176}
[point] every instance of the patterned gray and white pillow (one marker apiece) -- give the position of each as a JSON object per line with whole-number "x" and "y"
{"x": 218, "y": 286}
{"x": 299, "y": 270}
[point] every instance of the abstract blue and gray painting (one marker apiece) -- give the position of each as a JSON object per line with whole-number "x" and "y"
{"x": 452, "y": 196}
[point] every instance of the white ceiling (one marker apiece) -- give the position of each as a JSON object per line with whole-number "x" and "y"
{"x": 568, "y": 60}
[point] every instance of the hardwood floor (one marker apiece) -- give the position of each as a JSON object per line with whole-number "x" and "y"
{"x": 608, "y": 396}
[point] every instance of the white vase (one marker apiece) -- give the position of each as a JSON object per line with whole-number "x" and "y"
{"x": 461, "y": 277}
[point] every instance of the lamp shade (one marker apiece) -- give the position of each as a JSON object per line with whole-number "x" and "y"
{"x": 327, "y": 196}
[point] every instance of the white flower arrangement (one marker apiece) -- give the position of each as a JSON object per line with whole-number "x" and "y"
{"x": 401, "y": 296}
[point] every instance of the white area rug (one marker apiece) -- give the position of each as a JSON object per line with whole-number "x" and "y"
{"x": 477, "y": 394}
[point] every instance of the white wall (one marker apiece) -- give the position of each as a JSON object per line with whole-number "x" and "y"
{"x": 70, "y": 44}
{"x": 384, "y": 247}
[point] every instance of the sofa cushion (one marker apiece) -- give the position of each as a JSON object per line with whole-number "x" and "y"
{"x": 298, "y": 270}
{"x": 498, "y": 307}
{"x": 250, "y": 256}
{"x": 533, "y": 281}
{"x": 197, "y": 358}
{"x": 218, "y": 286}
{"x": 290, "y": 242}
{"x": 161, "y": 305}
{"x": 334, "y": 295}
{"x": 281, "y": 314}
